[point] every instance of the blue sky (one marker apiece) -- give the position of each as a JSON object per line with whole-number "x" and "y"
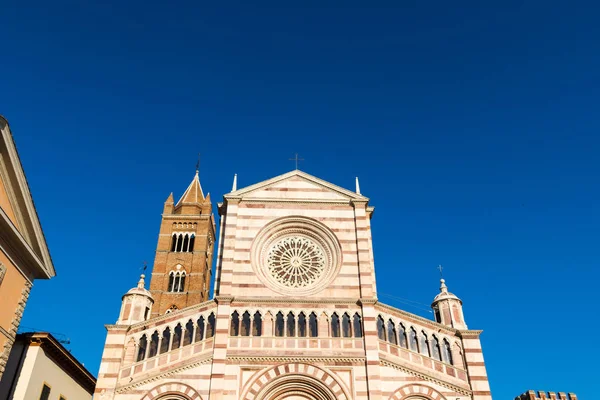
{"x": 472, "y": 128}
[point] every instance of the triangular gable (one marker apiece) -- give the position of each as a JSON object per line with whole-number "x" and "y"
{"x": 297, "y": 185}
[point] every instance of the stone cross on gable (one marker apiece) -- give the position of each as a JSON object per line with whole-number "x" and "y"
{"x": 296, "y": 159}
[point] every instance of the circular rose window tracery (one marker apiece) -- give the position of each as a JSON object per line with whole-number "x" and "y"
{"x": 296, "y": 256}
{"x": 296, "y": 261}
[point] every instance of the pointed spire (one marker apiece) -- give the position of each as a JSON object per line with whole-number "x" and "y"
{"x": 170, "y": 198}
{"x": 193, "y": 194}
{"x": 357, "y": 186}
{"x": 141, "y": 283}
{"x": 234, "y": 187}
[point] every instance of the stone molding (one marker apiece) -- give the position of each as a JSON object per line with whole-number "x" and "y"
{"x": 291, "y": 359}
{"x": 298, "y": 374}
{"x": 286, "y": 300}
{"x": 175, "y": 313}
{"x": 174, "y": 388}
{"x": 162, "y": 375}
{"x": 422, "y": 320}
{"x": 414, "y": 389}
{"x": 425, "y": 377}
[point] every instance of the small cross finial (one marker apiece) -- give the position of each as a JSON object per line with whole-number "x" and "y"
{"x": 145, "y": 266}
{"x": 198, "y": 163}
{"x": 296, "y": 159}
{"x": 441, "y": 271}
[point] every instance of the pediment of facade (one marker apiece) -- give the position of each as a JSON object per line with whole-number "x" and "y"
{"x": 296, "y": 186}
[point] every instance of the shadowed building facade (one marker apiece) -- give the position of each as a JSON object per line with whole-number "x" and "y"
{"x": 24, "y": 255}
{"x": 295, "y": 313}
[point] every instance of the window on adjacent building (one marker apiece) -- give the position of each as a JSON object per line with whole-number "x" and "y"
{"x": 45, "y": 395}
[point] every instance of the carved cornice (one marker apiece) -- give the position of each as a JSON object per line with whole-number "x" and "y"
{"x": 425, "y": 377}
{"x": 367, "y": 301}
{"x": 286, "y": 300}
{"x": 170, "y": 372}
{"x": 183, "y": 312}
{"x": 224, "y": 299}
{"x": 424, "y": 321}
{"x": 322, "y": 360}
{"x": 296, "y": 201}
{"x": 470, "y": 333}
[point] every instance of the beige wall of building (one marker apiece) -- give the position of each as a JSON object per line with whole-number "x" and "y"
{"x": 24, "y": 254}
{"x": 37, "y": 360}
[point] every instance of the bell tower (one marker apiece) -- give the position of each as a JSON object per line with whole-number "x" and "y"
{"x": 182, "y": 266}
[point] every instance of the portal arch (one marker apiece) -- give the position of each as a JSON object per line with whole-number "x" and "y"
{"x": 295, "y": 381}
{"x": 416, "y": 391}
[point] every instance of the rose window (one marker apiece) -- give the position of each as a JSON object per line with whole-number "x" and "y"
{"x": 296, "y": 261}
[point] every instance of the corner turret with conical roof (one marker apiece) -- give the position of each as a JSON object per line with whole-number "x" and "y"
{"x": 136, "y": 304}
{"x": 182, "y": 267}
{"x": 447, "y": 308}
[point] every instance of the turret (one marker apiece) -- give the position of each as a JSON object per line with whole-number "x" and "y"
{"x": 447, "y": 308}
{"x": 136, "y": 304}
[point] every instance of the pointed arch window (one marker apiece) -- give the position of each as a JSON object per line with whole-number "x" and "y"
{"x": 153, "y": 350}
{"x": 210, "y": 327}
{"x": 380, "y": 328}
{"x": 291, "y": 325}
{"x": 423, "y": 344}
{"x": 346, "y": 328}
{"x": 143, "y": 344}
{"x": 191, "y": 245}
{"x": 257, "y": 324}
{"x": 183, "y": 241}
{"x": 234, "y": 328}
{"x": 435, "y": 348}
{"x": 176, "y": 281}
{"x": 246, "y": 324}
{"x": 447, "y": 353}
{"x": 301, "y": 325}
{"x": 391, "y": 332}
{"x": 357, "y": 325}
{"x": 176, "y": 337}
{"x": 402, "y": 336}
{"x": 279, "y": 324}
{"x": 188, "y": 337}
{"x": 335, "y": 325}
{"x": 179, "y": 242}
{"x": 186, "y": 241}
{"x": 313, "y": 325}
{"x": 412, "y": 340}
{"x": 200, "y": 329}
{"x": 166, "y": 338}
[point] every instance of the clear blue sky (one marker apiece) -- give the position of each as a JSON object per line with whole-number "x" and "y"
{"x": 474, "y": 130}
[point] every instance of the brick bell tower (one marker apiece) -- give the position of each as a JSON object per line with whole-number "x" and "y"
{"x": 182, "y": 267}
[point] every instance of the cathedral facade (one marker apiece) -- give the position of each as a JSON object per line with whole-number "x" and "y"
{"x": 295, "y": 314}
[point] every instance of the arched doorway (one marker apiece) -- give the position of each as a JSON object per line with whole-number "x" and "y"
{"x": 295, "y": 381}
